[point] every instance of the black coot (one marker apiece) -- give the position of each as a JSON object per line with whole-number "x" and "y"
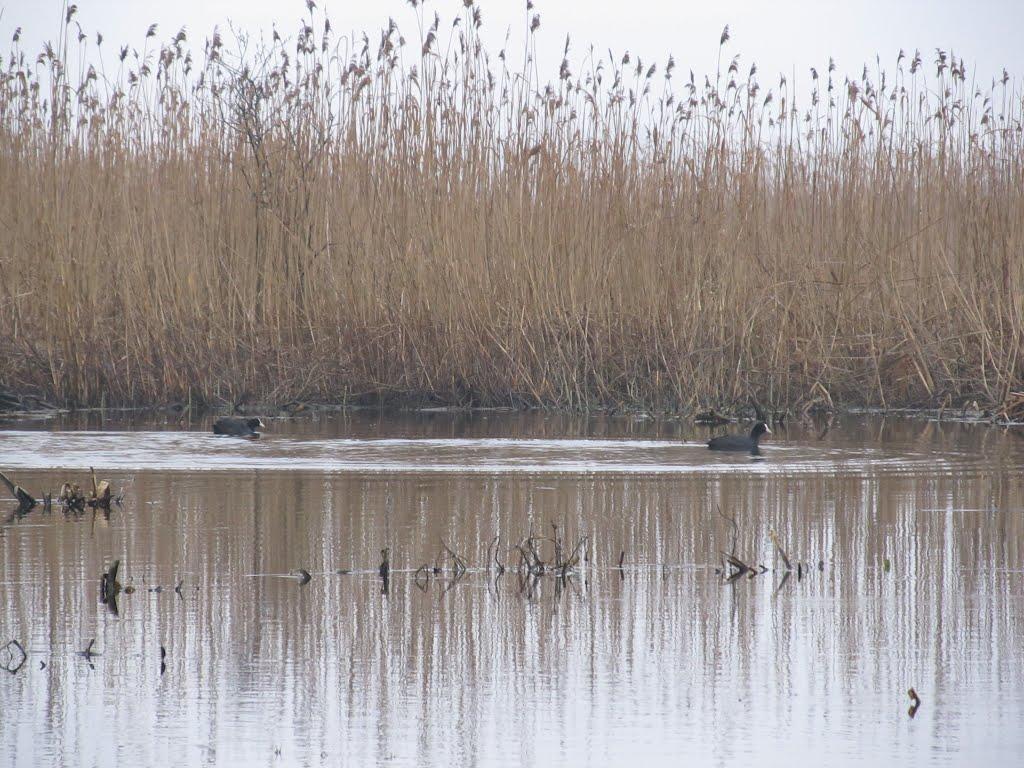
{"x": 740, "y": 442}
{"x": 237, "y": 427}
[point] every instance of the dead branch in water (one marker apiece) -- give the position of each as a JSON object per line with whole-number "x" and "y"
{"x": 530, "y": 559}
{"x": 497, "y": 563}
{"x": 574, "y": 557}
{"x": 562, "y": 565}
{"x": 459, "y": 565}
{"x": 25, "y": 500}
{"x": 735, "y": 528}
{"x": 423, "y": 572}
{"x": 88, "y": 653}
{"x": 739, "y": 567}
{"x": 12, "y": 656}
{"x": 778, "y": 547}
{"x": 732, "y": 560}
{"x": 915, "y": 702}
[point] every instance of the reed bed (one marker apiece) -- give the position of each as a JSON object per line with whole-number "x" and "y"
{"x": 410, "y": 216}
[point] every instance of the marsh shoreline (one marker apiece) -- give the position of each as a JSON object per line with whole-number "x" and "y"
{"x": 14, "y": 404}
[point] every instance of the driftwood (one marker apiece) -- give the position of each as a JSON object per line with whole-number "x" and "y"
{"x": 25, "y": 499}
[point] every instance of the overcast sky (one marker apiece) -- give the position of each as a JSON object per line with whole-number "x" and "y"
{"x": 786, "y": 36}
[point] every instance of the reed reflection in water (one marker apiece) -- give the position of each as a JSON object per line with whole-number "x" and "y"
{"x": 660, "y": 662}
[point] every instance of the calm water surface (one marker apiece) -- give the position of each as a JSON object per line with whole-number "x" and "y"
{"x": 660, "y": 662}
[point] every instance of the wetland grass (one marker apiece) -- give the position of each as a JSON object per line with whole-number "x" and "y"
{"x": 416, "y": 217}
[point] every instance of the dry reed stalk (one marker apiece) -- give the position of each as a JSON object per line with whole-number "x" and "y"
{"x": 422, "y": 219}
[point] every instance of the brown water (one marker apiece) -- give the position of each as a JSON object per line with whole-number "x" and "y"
{"x": 661, "y": 661}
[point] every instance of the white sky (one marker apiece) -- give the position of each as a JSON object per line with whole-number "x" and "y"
{"x": 786, "y": 36}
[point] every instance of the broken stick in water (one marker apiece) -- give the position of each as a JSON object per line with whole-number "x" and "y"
{"x": 497, "y": 563}
{"x": 88, "y": 653}
{"x": 422, "y": 577}
{"x": 778, "y": 548}
{"x": 459, "y": 565}
{"x": 25, "y": 499}
{"x": 732, "y": 521}
{"x": 915, "y": 702}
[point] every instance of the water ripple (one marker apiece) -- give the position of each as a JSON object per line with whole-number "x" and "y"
{"x": 199, "y": 452}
